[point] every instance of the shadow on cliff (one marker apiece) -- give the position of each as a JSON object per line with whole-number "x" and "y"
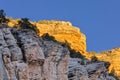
{"x": 24, "y": 23}
{"x": 73, "y": 53}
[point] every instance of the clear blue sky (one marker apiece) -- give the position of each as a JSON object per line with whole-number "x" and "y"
{"x": 98, "y": 19}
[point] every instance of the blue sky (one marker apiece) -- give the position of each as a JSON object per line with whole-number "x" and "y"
{"x": 98, "y": 19}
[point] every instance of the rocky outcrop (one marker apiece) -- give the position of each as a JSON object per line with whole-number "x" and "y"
{"x": 25, "y": 56}
{"x": 112, "y": 56}
{"x": 66, "y": 33}
{"x": 88, "y": 71}
{"x": 61, "y": 31}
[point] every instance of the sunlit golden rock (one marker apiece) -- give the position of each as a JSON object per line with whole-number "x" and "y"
{"x": 12, "y": 22}
{"x": 64, "y": 32}
{"x": 111, "y": 56}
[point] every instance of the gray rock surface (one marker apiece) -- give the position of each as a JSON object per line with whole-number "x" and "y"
{"x": 90, "y": 71}
{"x": 25, "y": 56}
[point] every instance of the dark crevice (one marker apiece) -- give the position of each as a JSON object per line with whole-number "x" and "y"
{"x": 19, "y": 43}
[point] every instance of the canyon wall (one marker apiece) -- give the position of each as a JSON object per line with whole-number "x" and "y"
{"x": 26, "y": 56}
{"x": 65, "y": 32}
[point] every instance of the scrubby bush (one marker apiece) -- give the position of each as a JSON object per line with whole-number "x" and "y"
{"x": 46, "y": 36}
{"x": 24, "y": 23}
{"x": 94, "y": 59}
{"x": 82, "y": 62}
{"x": 3, "y": 18}
{"x": 75, "y": 54}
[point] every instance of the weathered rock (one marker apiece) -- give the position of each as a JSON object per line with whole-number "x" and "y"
{"x": 62, "y": 31}
{"x": 12, "y": 45}
{"x": 23, "y": 56}
{"x": 77, "y": 71}
{"x": 91, "y": 71}
{"x": 111, "y": 56}
{"x": 3, "y": 73}
{"x": 65, "y": 32}
{"x": 56, "y": 64}
{"x": 32, "y": 51}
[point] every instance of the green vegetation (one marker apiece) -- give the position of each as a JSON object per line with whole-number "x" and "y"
{"x": 75, "y": 54}
{"x": 24, "y": 23}
{"x": 94, "y": 59}
{"x": 3, "y": 19}
{"x": 46, "y": 36}
{"x": 82, "y": 62}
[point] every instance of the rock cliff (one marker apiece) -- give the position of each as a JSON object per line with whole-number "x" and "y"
{"x": 112, "y": 56}
{"x": 61, "y": 31}
{"x": 26, "y": 56}
{"x": 66, "y": 33}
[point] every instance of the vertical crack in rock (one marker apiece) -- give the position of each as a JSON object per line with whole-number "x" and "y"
{"x": 32, "y": 50}
{"x": 12, "y": 45}
{"x": 33, "y": 54}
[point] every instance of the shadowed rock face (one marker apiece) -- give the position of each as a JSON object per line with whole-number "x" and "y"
{"x": 25, "y": 56}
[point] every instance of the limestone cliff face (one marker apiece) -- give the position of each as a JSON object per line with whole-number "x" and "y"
{"x": 61, "y": 31}
{"x": 26, "y": 56}
{"x": 65, "y": 32}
